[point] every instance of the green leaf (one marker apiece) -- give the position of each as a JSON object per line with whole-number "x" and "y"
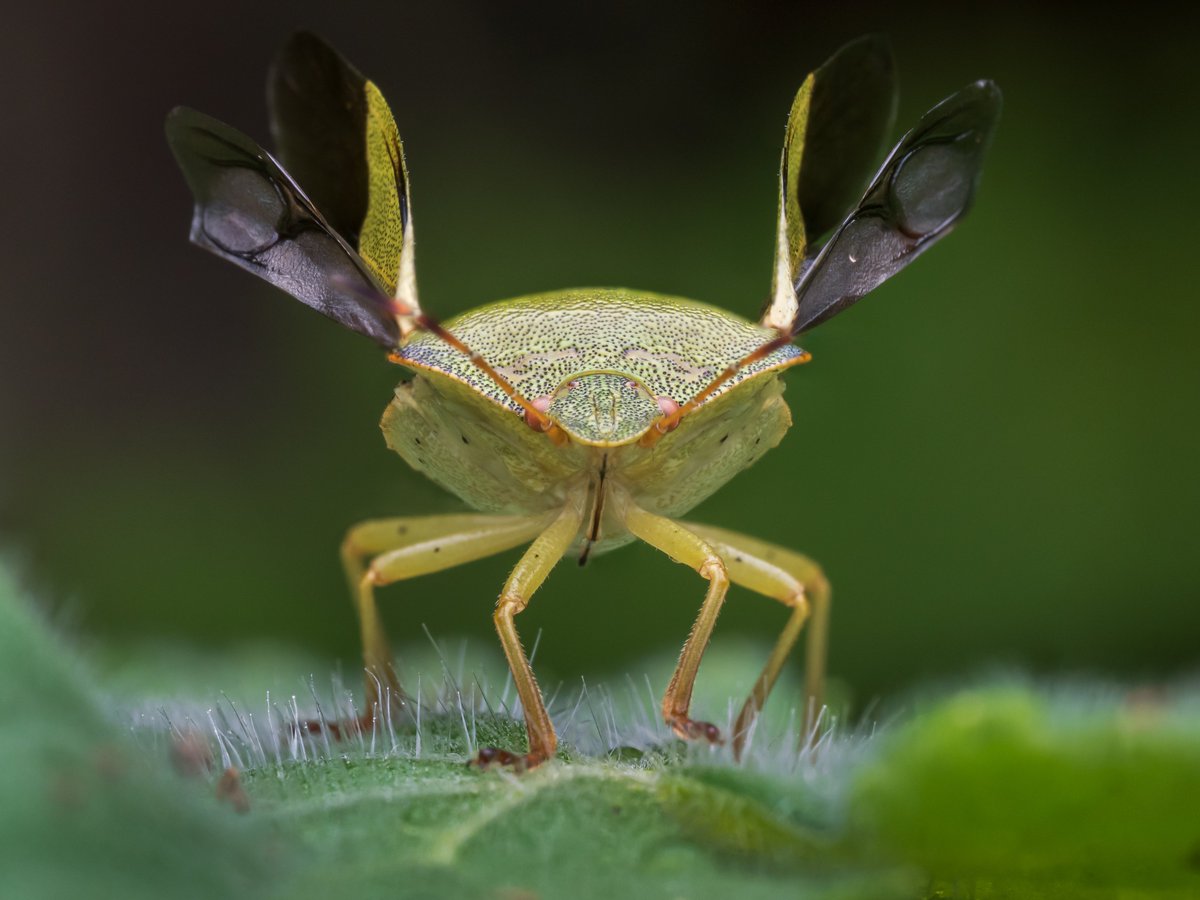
{"x": 1006, "y": 790}
{"x": 1069, "y": 793}
{"x": 86, "y": 812}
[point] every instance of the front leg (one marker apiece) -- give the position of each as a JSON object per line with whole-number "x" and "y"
{"x": 405, "y": 548}
{"x": 687, "y": 547}
{"x": 527, "y": 576}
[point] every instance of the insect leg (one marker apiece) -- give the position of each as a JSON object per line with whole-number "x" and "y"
{"x": 405, "y": 548}
{"x": 684, "y": 546}
{"x": 546, "y": 550}
{"x": 797, "y": 582}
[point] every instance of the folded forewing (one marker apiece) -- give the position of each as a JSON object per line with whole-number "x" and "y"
{"x": 334, "y": 131}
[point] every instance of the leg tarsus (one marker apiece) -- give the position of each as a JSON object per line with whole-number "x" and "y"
{"x": 695, "y": 730}
{"x": 495, "y": 757}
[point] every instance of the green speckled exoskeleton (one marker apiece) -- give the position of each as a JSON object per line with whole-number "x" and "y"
{"x": 577, "y": 421}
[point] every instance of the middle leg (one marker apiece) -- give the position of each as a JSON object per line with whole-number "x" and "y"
{"x": 527, "y": 576}
{"x": 796, "y": 582}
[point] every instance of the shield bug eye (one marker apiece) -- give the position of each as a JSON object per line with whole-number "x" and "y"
{"x": 572, "y": 384}
{"x": 631, "y": 385}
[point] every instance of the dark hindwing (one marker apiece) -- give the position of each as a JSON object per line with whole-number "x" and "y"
{"x": 318, "y": 107}
{"x": 249, "y": 211}
{"x": 852, "y": 110}
{"x": 335, "y": 133}
{"x": 836, "y": 128}
{"x": 926, "y": 185}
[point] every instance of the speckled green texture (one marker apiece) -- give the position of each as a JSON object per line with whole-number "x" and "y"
{"x": 604, "y": 408}
{"x": 495, "y": 463}
{"x": 623, "y": 352}
{"x": 673, "y": 346}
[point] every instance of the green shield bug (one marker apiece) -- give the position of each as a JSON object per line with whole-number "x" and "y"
{"x": 580, "y": 420}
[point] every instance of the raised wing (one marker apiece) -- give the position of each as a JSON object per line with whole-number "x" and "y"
{"x": 837, "y": 129}
{"x": 318, "y": 109}
{"x": 251, "y": 212}
{"x": 926, "y": 185}
{"x": 335, "y": 132}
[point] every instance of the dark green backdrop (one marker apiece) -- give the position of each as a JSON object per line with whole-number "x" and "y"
{"x": 994, "y": 456}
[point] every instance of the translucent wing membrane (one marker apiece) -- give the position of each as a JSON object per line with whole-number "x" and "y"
{"x": 249, "y": 211}
{"x": 924, "y": 188}
{"x": 850, "y": 119}
{"x": 837, "y": 129}
{"x": 335, "y": 132}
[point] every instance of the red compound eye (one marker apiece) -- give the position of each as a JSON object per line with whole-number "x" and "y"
{"x": 631, "y": 385}
{"x": 572, "y": 384}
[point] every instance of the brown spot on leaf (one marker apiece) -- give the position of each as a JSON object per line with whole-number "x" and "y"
{"x": 508, "y": 892}
{"x": 230, "y": 790}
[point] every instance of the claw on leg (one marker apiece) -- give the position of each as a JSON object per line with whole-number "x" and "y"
{"x": 695, "y": 730}
{"x": 494, "y": 757}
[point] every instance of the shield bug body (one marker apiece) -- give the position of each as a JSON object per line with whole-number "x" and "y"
{"x": 580, "y": 420}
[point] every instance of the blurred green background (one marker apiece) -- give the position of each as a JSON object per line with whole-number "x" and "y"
{"x": 994, "y": 455}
